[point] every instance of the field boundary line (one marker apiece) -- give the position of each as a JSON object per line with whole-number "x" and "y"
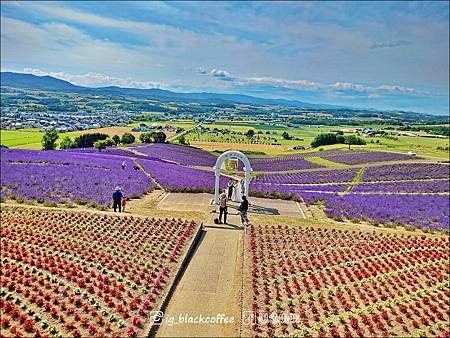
{"x": 148, "y": 174}
{"x": 356, "y": 179}
{"x": 301, "y": 211}
{"x": 163, "y": 199}
{"x": 182, "y": 268}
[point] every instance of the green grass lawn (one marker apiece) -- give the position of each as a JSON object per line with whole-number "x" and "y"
{"x": 24, "y": 138}
{"x": 324, "y": 162}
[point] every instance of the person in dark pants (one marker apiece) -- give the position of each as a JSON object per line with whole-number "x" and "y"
{"x": 230, "y": 189}
{"x": 223, "y": 208}
{"x": 117, "y": 199}
{"x": 243, "y": 208}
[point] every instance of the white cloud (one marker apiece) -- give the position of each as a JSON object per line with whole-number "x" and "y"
{"x": 391, "y": 44}
{"x": 94, "y": 79}
{"x": 309, "y": 85}
{"x": 220, "y": 73}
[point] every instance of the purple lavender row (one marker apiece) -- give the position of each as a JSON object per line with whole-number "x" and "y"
{"x": 174, "y": 177}
{"x": 292, "y": 191}
{"x": 180, "y": 154}
{"x": 404, "y": 186}
{"x": 406, "y": 171}
{"x": 366, "y": 157}
{"x": 421, "y": 211}
{"x": 112, "y": 151}
{"x": 289, "y": 162}
{"x": 56, "y": 176}
{"x": 282, "y": 164}
{"x": 316, "y": 176}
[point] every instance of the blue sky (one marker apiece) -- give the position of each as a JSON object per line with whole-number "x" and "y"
{"x": 385, "y": 55}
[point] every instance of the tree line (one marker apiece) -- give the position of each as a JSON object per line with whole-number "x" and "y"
{"x": 336, "y": 138}
{"x": 98, "y": 140}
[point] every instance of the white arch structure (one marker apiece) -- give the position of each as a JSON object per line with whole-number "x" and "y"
{"x": 226, "y": 156}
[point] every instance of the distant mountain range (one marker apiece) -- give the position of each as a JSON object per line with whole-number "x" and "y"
{"x": 29, "y": 81}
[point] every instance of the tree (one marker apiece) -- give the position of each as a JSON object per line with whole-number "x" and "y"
{"x": 324, "y": 139}
{"x": 116, "y": 139}
{"x": 285, "y": 135}
{"x": 250, "y": 133}
{"x": 88, "y": 140}
{"x": 49, "y": 140}
{"x": 100, "y": 145}
{"x": 353, "y": 139}
{"x": 182, "y": 140}
{"x": 109, "y": 142}
{"x": 66, "y": 143}
{"x": 127, "y": 138}
{"x": 159, "y": 137}
{"x": 146, "y": 137}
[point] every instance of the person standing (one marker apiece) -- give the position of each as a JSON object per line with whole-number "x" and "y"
{"x": 242, "y": 186}
{"x": 124, "y": 163}
{"x": 230, "y": 189}
{"x": 123, "y": 202}
{"x": 237, "y": 196}
{"x": 243, "y": 208}
{"x": 117, "y": 199}
{"x": 223, "y": 208}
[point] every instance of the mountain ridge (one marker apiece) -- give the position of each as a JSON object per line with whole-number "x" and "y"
{"x": 46, "y": 82}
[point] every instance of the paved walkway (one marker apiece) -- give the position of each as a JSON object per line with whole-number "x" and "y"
{"x": 211, "y": 284}
{"x": 200, "y": 202}
{"x": 210, "y": 287}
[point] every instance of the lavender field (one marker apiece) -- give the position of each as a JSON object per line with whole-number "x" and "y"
{"x": 58, "y": 176}
{"x": 308, "y": 177}
{"x": 423, "y": 186}
{"x": 366, "y": 157}
{"x": 188, "y": 156}
{"x": 281, "y": 163}
{"x": 178, "y": 178}
{"x": 413, "y": 194}
{"x": 406, "y": 171}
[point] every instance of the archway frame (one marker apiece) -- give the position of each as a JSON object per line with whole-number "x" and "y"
{"x": 231, "y": 154}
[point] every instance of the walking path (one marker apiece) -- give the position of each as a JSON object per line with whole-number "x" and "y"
{"x": 210, "y": 288}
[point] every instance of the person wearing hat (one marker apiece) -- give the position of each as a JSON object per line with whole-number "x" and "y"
{"x": 117, "y": 198}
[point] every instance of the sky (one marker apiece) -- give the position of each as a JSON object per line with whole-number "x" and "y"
{"x": 383, "y": 55}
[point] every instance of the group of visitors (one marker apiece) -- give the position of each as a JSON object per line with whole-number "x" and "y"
{"x": 235, "y": 192}
{"x": 231, "y": 194}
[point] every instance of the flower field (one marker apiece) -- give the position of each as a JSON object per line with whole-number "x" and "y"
{"x": 308, "y": 177}
{"x": 281, "y": 163}
{"x": 73, "y": 274}
{"x": 180, "y": 154}
{"x": 410, "y": 171}
{"x": 177, "y": 178}
{"x": 58, "y": 176}
{"x": 421, "y": 186}
{"x": 366, "y": 157}
{"x": 328, "y": 283}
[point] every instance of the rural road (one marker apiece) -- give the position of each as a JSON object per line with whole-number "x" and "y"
{"x": 174, "y": 137}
